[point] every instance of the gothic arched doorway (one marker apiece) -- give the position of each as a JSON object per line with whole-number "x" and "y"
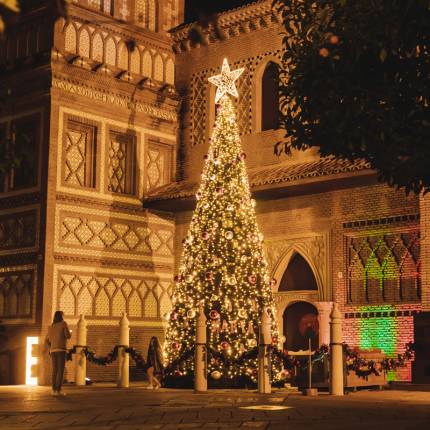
{"x": 301, "y": 324}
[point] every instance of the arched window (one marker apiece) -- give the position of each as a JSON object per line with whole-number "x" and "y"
{"x": 298, "y": 276}
{"x": 270, "y": 97}
{"x": 70, "y": 39}
{"x": 145, "y": 14}
{"x": 95, "y": 4}
{"x": 108, "y": 7}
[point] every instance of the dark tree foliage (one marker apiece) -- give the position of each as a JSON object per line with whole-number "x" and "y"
{"x": 355, "y": 83}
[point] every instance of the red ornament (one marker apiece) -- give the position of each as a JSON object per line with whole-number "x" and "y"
{"x": 173, "y": 316}
{"x": 324, "y": 52}
{"x": 205, "y": 157}
{"x": 273, "y": 282}
{"x": 178, "y": 373}
{"x": 242, "y": 156}
{"x": 224, "y": 345}
{"x": 252, "y": 279}
{"x": 209, "y": 276}
{"x": 214, "y": 314}
{"x": 334, "y": 40}
{"x": 205, "y": 235}
{"x": 176, "y": 345}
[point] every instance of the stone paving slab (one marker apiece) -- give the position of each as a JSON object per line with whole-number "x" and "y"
{"x": 109, "y": 408}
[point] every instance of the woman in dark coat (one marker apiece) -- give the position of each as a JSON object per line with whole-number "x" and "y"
{"x": 56, "y": 339}
{"x": 154, "y": 363}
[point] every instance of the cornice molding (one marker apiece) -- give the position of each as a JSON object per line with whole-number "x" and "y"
{"x": 101, "y": 94}
{"x": 110, "y": 206}
{"x": 232, "y": 23}
{"x": 111, "y": 263}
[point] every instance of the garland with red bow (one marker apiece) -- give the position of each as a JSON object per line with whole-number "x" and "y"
{"x": 363, "y": 368}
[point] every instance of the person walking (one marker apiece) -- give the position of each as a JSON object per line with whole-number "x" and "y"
{"x": 58, "y": 333}
{"x": 154, "y": 363}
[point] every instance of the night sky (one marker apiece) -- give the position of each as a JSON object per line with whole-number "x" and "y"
{"x": 194, "y": 7}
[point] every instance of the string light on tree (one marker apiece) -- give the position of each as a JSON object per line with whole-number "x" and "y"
{"x": 222, "y": 264}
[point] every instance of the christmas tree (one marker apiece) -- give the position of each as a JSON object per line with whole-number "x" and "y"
{"x": 222, "y": 266}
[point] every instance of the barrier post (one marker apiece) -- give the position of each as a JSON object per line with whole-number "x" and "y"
{"x": 201, "y": 381}
{"x": 336, "y": 352}
{"x": 264, "y": 359}
{"x": 123, "y": 356}
{"x": 80, "y": 358}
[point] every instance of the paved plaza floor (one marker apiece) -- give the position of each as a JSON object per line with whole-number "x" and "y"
{"x": 106, "y": 407}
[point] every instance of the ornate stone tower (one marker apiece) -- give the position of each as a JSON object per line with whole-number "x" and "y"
{"x": 94, "y": 95}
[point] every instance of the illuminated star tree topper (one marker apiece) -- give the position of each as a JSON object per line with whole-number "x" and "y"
{"x": 225, "y": 82}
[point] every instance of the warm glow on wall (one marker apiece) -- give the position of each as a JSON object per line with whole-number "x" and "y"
{"x": 30, "y": 360}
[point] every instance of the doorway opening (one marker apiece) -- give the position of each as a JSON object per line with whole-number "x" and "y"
{"x": 301, "y": 324}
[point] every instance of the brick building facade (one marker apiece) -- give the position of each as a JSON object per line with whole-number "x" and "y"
{"x": 119, "y": 111}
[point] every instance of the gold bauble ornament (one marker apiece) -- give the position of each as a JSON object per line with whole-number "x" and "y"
{"x": 216, "y": 374}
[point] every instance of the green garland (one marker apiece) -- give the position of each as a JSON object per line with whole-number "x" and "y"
{"x": 362, "y": 367}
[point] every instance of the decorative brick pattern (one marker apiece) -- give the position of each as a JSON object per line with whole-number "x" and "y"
{"x": 95, "y": 4}
{"x": 170, "y": 14}
{"x": 82, "y": 39}
{"x": 18, "y": 230}
{"x": 79, "y": 155}
{"x": 120, "y": 236}
{"x": 425, "y": 250}
{"x": 198, "y": 109}
{"x": 244, "y": 102}
{"x": 147, "y": 64}
{"x": 84, "y": 44}
{"x": 158, "y": 165}
{"x": 123, "y": 56}
{"x": 384, "y": 268}
{"x": 110, "y": 52}
{"x": 145, "y": 14}
{"x": 70, "y": 39}
{"x": 121, "y": 163}
{"x": 170, "y": 72}
{"x": 108, "y": 296}
{"x": 16, "y": 292}
{"x": 107, "y": 6}
{"x": 97, "y": 49}
{"x": 135, "y": 61}
{"x": 158, "y": 68}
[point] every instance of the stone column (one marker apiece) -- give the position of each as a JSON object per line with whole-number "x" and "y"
{"x": 264, "y": 359}
{"x": 123, "y": 357}
{"x": 324, "y": 309}
{"x": 80, "y": 358}
{"x": 201, "y": 380}
{"x": 336, "y": 352}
